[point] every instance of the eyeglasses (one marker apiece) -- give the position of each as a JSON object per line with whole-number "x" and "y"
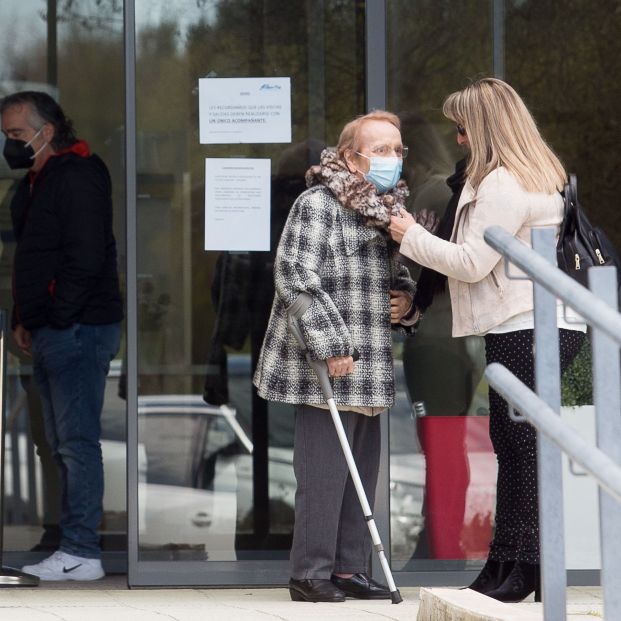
{"x": 461, "y": 130}
{"x": 384, "y": 150}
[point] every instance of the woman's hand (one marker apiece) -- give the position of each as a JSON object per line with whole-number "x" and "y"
{"x": 400, "y": 304}
{"x": 400, "y": 224}
{"x": 340, "y": 365}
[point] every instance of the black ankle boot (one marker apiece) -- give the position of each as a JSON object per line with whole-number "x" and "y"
{"x": 520, "y": 583}
{"x": 493, "y": 574}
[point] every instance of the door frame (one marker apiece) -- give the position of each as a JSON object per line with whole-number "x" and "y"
{"x": 243, "y": 572}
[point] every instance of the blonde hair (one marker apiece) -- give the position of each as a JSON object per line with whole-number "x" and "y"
{"x": 502, "y": 132}
{"x": 349, "y": 136}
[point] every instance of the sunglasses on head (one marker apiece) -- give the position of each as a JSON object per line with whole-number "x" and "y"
{"x": 461, "y": 130}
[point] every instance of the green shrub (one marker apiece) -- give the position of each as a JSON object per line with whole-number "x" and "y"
{"x": 577, "y": 383}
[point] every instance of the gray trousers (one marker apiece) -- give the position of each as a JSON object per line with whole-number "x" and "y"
{"x": 330, "y": 533}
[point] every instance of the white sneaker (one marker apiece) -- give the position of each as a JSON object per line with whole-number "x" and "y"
{"x": 63, "y": 566}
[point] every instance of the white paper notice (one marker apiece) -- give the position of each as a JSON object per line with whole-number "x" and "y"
{"x": 237, "y": 204}
{"x": 251, "y": 110}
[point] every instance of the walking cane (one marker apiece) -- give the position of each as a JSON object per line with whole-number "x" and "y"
{"x": 295, "y": 311}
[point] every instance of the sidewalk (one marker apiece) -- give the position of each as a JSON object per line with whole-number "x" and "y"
{"x": 18, "y": 604}
{"x": 112, "y": 601}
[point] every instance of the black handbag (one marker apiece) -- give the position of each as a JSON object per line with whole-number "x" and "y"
{"x": 581, "y": 245}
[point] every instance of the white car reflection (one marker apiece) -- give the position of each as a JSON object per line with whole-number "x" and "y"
{"x": 195, "y": 481}
{"x": 195, "y": 478}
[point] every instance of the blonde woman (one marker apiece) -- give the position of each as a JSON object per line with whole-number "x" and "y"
{"x": 513, "y": 179}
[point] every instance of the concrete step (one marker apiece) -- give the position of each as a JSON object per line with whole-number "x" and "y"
{"x": 443, "y": 604}
{"x": 467, "y": 605}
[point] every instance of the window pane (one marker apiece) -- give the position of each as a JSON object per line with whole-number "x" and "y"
{"x": 218, "y": 481}
{"x": 560, "y": 59}
{"x": 82, "y": 67}
{"x": 442, "y": 466}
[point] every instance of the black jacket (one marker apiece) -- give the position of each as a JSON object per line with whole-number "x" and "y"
{"x": 65, "y": 261}
{"x": 431, "y": 282}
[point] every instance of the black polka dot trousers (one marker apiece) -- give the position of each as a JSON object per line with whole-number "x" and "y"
{"x": 516, "y": 536}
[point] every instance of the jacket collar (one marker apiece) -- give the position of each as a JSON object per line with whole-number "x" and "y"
{"x": 466, "y": 200}
{"x": 79, "y": 147}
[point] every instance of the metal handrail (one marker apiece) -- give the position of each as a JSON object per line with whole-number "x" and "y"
{"x": 595, "y": 311}
{"x": 603, "y": 469}
{"x": 598, "y": 307}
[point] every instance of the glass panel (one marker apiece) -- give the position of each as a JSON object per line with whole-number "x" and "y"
{"x": 74, "y": 53}
{"x": 442, "y": 468}
{"x": 216, "y": 478}
{"x": 565, "y": 77}
{"x": 566, "y": 81}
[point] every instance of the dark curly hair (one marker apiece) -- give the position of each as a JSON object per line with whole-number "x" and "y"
{"x": 44, "y": 110}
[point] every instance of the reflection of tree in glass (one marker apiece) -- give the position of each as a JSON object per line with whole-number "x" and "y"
{"x": 561, "y": 55}
{"x": 151, "y": 310}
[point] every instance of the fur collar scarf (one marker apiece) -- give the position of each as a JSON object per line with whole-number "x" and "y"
{"x": 355, "y": 193}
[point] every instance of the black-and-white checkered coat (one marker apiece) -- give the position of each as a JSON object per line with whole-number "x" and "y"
{"x": 328, "y": 252}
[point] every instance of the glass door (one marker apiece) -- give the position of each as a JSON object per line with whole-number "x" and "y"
{"x": 211, "y": 478}
{"x": 443, "y": 469}
{"x": 74, "y": 54}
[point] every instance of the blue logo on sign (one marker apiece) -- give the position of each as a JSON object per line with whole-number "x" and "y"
{"x": 270, "y": 87}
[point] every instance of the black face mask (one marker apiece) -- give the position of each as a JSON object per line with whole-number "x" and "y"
{"x": 18, "y": 153}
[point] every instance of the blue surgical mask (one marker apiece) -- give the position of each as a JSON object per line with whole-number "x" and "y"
{"x": 384, "y": 172}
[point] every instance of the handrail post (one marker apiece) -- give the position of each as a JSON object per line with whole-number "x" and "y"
{"x": 549, "y": 460}
{"x": 607, "y": 401}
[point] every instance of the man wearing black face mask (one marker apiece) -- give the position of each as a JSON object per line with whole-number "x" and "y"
{"x": 67, "y": 308}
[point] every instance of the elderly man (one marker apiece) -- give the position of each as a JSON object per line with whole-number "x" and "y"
{"x": 67, "y": 308}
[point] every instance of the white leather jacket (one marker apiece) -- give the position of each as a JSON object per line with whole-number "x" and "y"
{"x": 482, "y": 296}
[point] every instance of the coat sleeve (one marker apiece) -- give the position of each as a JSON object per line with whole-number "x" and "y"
{"x": 85, "y": 204}
{"x": 499, "y": 201}
{"x": 404, "y": 282}
{"x": 303, "y": 249}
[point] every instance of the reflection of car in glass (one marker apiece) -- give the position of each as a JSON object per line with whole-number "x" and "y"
{"x": 174, "y": 520}
{"x": 407, "y": 489}
{"x": 195, "y": 478}
{"x": 196, "y": 485}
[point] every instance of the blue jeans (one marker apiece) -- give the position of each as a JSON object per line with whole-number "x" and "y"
{"x": 70, "y": 368}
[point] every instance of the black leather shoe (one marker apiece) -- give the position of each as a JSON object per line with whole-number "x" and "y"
{"x": 315, "y": 591}
{"x": 493, "y": 574}
{"x": 520, "y": 583}
{"x": 361, "y": 586}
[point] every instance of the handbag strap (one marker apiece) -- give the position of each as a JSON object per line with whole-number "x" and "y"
{"x": 570, "y": 194}
{"x": 583, "y": 225}
{"x": 573, "y": 184}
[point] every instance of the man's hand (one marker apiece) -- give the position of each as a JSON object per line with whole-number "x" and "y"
{"x": 400, "y": 224}
{"x": 23, "y": 338}
{"x": 400, "y": 303}
{"x": 340, "y": 365}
